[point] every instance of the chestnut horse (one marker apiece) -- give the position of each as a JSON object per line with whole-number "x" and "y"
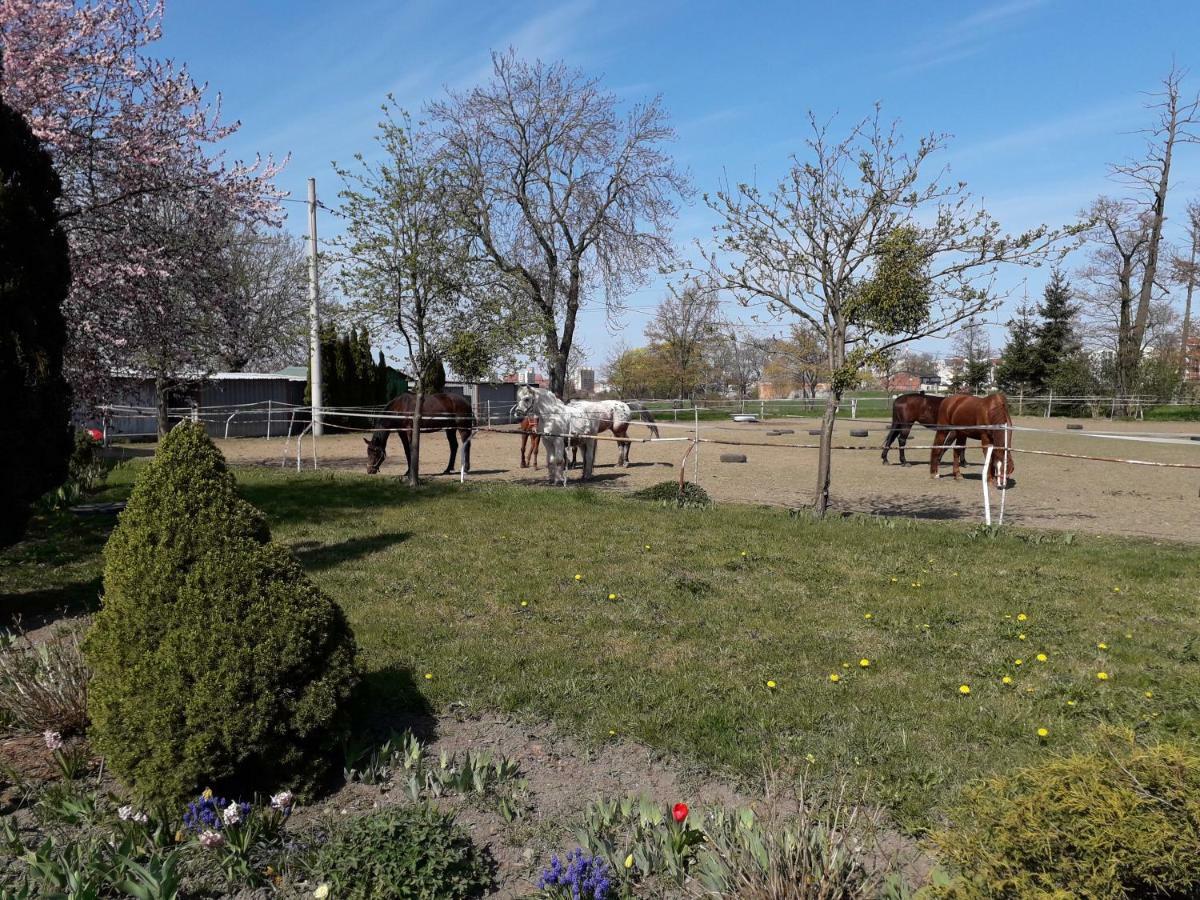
{"x": 984, "y": 419}
{"x": 439, "y": 412}
{"x": 529, "y": 435}
{"x": 908, "y": 410}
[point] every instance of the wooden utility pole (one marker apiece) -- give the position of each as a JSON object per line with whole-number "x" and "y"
{"x": 314, "y": 311}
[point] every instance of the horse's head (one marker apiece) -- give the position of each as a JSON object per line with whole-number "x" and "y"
{"x": 526, "y": 400}
{"x": 376, "y": 451}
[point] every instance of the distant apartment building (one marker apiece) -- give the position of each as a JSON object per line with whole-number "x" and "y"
{"x": 584, "y": 380}
{"x": 527, "y": 376}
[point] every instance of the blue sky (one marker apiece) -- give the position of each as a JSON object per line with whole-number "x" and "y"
{"x": 1040, "y": 95}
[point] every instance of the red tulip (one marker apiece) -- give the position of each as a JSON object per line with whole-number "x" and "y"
{"x": 680, "y": 812}
{"x": 95, "y": 434}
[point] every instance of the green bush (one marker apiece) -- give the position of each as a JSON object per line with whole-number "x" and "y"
{"x": 216, "y": 661}
{"x": 86, "y": 466}
{"x": 402, "y": 853}
{"x": 1122, "y": 821}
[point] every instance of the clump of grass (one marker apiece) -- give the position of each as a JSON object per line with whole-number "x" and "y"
{"x": 669, "y": 493}
{"x": 43, "y": 686}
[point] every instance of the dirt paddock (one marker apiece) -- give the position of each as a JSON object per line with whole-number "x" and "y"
{"x": 1046, "y": 492}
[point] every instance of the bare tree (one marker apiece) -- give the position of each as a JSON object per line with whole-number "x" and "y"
{"x": 738, "y": 359}
{"x": 1186, "y": 271}
{"x": 263, "y": 322}
{"x": 560, "y": 193}
{"x": 1150, "y": 178}
{"x": 857, "y": 244}
{"x": 799, "y": 359}
{"x": 974, "y": 350}
{"x": 683, "y": 325}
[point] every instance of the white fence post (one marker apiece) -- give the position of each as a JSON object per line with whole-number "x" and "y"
{"x": 987, "y": 470}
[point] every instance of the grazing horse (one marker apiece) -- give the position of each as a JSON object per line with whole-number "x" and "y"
{"x": 530, "y": 436}
{"x": 616, "y": 416}
{"x": 439, "y": 412}
{"x": 984, "y": 419}
{"x": 909, "y": 410}
{"x": 559, "y": 422}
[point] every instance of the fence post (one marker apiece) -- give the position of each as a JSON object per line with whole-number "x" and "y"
{"x": 696, "y": 453}
{"x": 1021, "y": 403}
{"x": 1049, "y": 403}
{"x": 268, "y": 419}
{"x": 854, "y": 407}
{"x": 987, "y": 499}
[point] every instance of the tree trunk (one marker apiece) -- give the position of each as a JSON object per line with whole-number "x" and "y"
{"x": 160, "y": 398}
{"x": 414, "y": 455}
{"x": 1187, "y": 314}
{"x": 825, "y": 455}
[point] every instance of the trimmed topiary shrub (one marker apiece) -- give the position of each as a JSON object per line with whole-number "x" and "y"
{"x": 402, "y": 853}
{"x": 216, "y": 661}
{"x": 1120, "y": 822}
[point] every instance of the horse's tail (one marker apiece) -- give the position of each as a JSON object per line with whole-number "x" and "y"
{"x": 644, "y": 415}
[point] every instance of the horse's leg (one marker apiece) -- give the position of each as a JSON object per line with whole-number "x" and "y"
{"x": 904, "y": 433}
{"x": 464, "y": 435}
{"x": 959, "y": 450}
{"x": 935, "y": 455}
{"x": 524, "y": 441}
{"x": 887, "y": 443}
{"x": 621, "y": 431}
{"x": 537, "y": 443}
{"x": 453, "y": 441}
{"x": 589, "y": 458}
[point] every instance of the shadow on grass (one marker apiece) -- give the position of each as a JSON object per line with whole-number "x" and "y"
{"x": 315, "y": 555}
{"x": 919, "y": 508}
{"x": 389, "y": 701}
{"x": 38, "y": 608}
{"x": 293, "y": 501}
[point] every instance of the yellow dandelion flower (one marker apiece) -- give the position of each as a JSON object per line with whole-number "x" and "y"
{"x": 771, "y": 685}
{"x": 1070, "y": 703}
{"x": 1102, "y": 646}
{"x": 1020, "y": 637}
{"x": 1029, "y": 690}
{"x": 1128, "y": 635}
{"x": 964, "y": 689}
{"x": 834, "y": 676}
{"x": 1008, "y": 615}
{"x": 612, "y": 596}
{"x": 206, "y": 794}
{"x": 864, "y": 663}
{"x": 743, "y": 553}
{"x": 612, "y": 731}
{"x": 1103, "y": 676}
{"x": 845, "y": 665}
{"x": 1021, "y": 617}
{"x": 579, "y": 578}
{"x": 1116, "y": 590}
{"x": 1043, "y": 732}
{"x": 953, "y": 574}
{"x": 1149, "y": 695}
{"x": 925, "y": 626}
{"x": 1041, "y": 657}
{"x": 1007, "y": 679}
{"x": 868, "y": 616}
{"x": 524, "y": 602}
{"x": 894, "y": 580}
{"x": 429, "y": 676}
{"x": 647, "y": 546}
{"x": 1017, "y": 662}
{"x": 810, "y": 758}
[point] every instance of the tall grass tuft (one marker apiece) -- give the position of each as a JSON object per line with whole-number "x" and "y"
{"x": 43, "y": 686}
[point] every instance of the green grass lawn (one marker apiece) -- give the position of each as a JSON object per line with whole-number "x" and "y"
{"x": 710, "y": 605}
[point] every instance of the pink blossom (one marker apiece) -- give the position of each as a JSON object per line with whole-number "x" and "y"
{"x": 53, "y": 740}
{"x": 211, "y": 840}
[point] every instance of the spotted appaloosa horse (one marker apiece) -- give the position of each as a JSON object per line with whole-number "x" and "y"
{"x": 616, "y": 416}
{"x": 530, "y": 436}
{"x": 984, "y": 419}
{"x": 558, "y": 423}
{"x": 439, "y": 412}
{"x": 908, "y": 410}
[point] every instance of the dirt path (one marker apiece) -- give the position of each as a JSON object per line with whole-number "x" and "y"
{"x": 1048, "y": 492}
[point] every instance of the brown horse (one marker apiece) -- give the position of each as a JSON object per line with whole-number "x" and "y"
{"x": 909, "y": 410}
{"x": 439, "y": 412}
{"x": 529, "y": 434}
{"x": 984, "y": 419}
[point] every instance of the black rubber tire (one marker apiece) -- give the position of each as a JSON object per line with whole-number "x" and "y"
{"x": 733, "y": 457}
{"x": 1071, "y": 426}
{"x": 857, "y": 433}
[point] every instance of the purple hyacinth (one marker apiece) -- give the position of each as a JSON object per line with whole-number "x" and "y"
{"x": 582, "y": 878}
{"x": 209, "y": 813}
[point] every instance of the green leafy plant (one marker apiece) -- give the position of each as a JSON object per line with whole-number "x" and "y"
{"x": 86, "y": 466}
{"x": 401, "y": 853}
{"x": 43, "y": 686}
{"x": 216, "y": 660}
{"x": 638, "y": 840}
{"x": 1121, "y": 821}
